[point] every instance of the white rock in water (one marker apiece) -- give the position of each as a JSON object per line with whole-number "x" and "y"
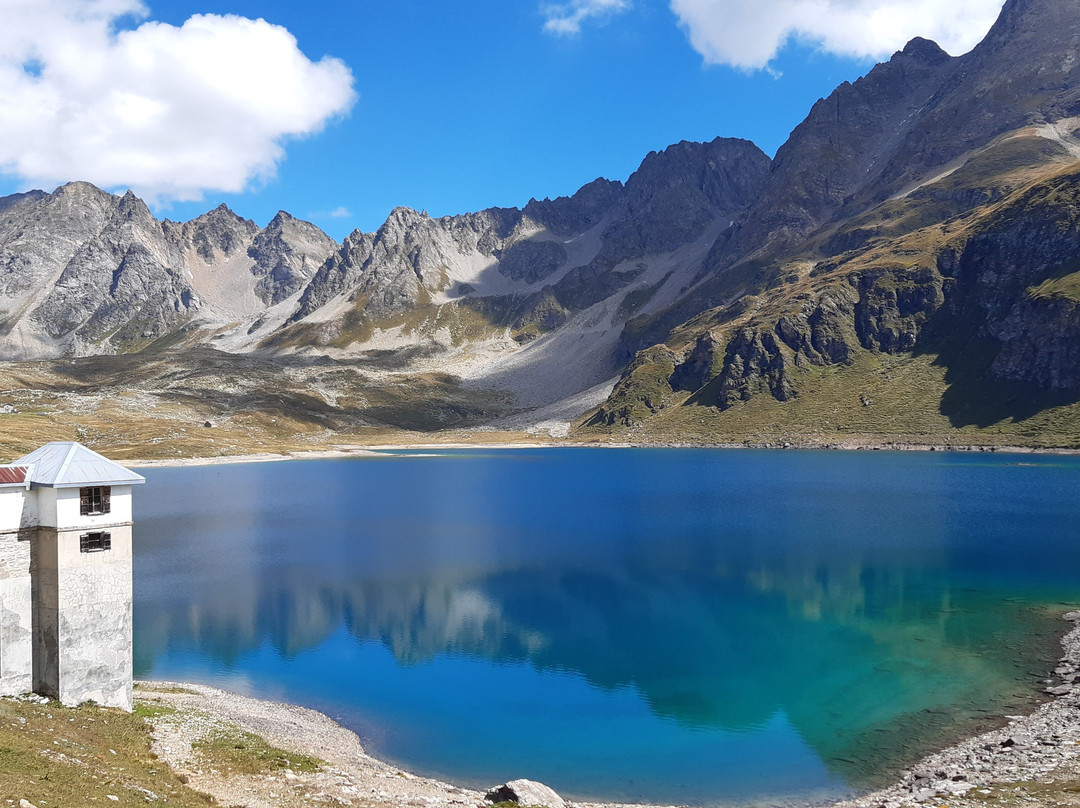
{"x": 526, "y": 792}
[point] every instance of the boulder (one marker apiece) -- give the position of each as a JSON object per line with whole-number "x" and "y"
{"x": 526, "y": 792}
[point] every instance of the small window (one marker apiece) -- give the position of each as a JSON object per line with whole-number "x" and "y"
{"x": 95, "y": 542}
{"x": 93, "y": 501}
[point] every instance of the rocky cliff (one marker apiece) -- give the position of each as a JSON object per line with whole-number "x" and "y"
{"x": 926, "y": 209}
{"x": 918, "y": 228}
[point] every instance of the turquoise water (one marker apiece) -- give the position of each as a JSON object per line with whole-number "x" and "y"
{"x": 693, "y": 626}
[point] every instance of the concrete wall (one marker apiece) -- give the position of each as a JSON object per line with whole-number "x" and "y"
{"x": 18, "y": 508}
{"x": 59, "y": 508}
{"x": 16, "y": 615}
{"x": 83, "y": 632}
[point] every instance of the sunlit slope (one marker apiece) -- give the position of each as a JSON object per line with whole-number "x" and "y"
{"x": 949, "y": 312}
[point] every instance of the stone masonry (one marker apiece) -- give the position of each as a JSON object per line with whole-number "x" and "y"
{"x": 65, "y": 576}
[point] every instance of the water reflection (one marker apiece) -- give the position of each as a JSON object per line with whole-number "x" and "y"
{"x": 743, "y": 594}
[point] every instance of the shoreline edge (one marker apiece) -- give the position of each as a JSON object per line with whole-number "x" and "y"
{"x": 1040, "y": 749}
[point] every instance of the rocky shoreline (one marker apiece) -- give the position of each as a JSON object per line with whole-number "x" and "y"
{"x": 1033, "y": 760}
{"x": 1020, "y": 759}
{"x": 384, "y": 450}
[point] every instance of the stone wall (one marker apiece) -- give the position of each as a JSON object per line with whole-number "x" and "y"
{"x": 16, "y": 614}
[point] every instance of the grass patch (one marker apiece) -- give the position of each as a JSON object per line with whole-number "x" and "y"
{"x": 1063, "y": 283}
{"x": 152, "y": 710}
{"x": 236, "y": 751}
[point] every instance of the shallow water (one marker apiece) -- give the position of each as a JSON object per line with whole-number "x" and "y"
{"x": 693, "y": 626}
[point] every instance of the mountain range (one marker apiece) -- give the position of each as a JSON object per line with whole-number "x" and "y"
{"x": 904, "y": 270}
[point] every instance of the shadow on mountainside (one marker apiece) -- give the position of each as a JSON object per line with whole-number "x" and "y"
{"x": 975, "y": 398}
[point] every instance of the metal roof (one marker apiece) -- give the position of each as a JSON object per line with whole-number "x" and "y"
{"x": 72, "y": 465}
{"x": 14, "y": 475}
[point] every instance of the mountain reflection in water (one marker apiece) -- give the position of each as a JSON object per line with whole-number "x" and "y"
{"x": 843, "y": 609}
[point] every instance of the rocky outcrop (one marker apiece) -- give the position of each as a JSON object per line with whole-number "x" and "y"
{"x": 1019, "y": 279}
{"x": 287, "y": 254}
{"x": 217, "y": 233}
{"x": 1040, "y": 343}
{"x": 894, "y": 306}
{"x": 759, "y": 358}
{"x": 644, "y": 389}
{"x": 525, "y": 793}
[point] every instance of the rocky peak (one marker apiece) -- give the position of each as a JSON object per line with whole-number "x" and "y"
{"x": 675, "y": 194}
{"x": 80, "y": 191}
{"x": 287, "y": 254}
{"x": 727, "y": 172}
{"x": 569, "y": 215}
{"x": 281, "y": 219}
{"x": 84, "y": 206}
{"x": 402, "y": 218}
{"x": 1024, "y": 72}
{"x": 924, "y": 51}
{"x": 839, "y": 149}
{"x": 220, "y": 231}
{"x": 134, "y": 209}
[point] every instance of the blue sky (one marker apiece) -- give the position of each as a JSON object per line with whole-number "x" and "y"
{"x": 445, "y": 107}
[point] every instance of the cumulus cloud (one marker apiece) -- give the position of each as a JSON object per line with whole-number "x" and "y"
{"x": 566, "y": 18}
{"x": 169, "y": 111}
{"x": 748, "y": 35}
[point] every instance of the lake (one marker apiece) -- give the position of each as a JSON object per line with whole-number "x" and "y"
{"x": 693, "y": 626}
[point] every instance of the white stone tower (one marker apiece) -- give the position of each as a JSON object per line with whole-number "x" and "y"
{"x": 76, "y": 519}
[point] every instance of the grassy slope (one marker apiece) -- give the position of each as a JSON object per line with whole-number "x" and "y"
{"x": 927, "y": 398}
{"x": 155, "y": 406}
{"x": 905, "y": 395}
{"x": 53, "y": 755}
{"x": 60, "y": 756}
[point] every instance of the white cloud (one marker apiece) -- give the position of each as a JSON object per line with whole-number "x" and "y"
{"x": 748, "y": 33}
{"x": 566, "y": 18}
{"x": 169, "y": 111}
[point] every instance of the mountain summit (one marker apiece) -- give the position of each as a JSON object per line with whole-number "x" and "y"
{"x": 918, "y": 227}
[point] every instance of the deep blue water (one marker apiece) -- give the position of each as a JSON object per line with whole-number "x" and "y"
{"x": 695, "y": 626}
